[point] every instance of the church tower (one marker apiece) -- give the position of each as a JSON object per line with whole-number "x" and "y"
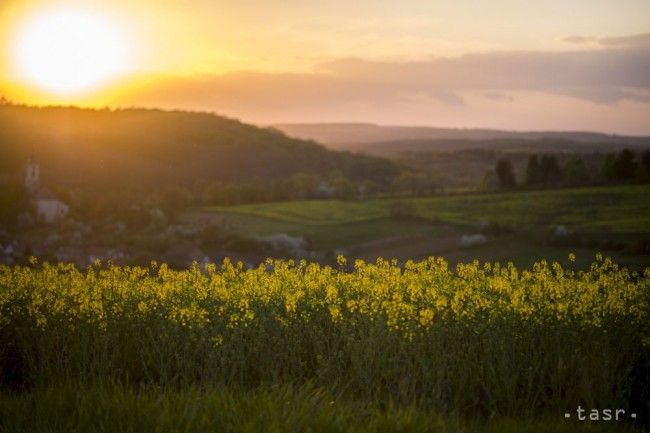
{"x": 32, "y": 173}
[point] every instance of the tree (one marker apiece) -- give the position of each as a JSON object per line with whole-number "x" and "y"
{"x": 490, "y": 181}
{"x": 367, "y": 188}
{"x": 174, "y": 201}
{"x": 505, "y": 174}
{"x": 550, "y": 170}
{"x": 303, "y": 185}
{"x": 625, "y": 166}
{"x": 405, "y": 182}
{"x": 576, "y": 173}
{"x": 620, "y": 166}
{"x": 14, "y": 200}
{"x": 643, "y": 170}
{"x": 343, "y": 188}
{"x": 281, "y": 190}
{"x": 645, "y": 161}
{"x": 609, "y": 167}
{"x": 533, "y": 171}
{"x": 424, "y": 184}
{"x": 251, "y": 192}
{"x": 213, "y": 194}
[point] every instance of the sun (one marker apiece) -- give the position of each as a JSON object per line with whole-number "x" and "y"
{"x": 70, "y": 51}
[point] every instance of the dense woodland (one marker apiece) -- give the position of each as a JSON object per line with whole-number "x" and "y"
{"x": 143, "y": 154}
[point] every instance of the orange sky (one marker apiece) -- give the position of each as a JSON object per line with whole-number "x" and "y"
{"x": 577, "y": 64}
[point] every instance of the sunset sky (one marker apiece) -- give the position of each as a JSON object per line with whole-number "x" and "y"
{"x": 511, "y": 64}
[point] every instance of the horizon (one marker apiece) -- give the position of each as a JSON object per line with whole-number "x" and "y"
{"x": 319, "y": 123}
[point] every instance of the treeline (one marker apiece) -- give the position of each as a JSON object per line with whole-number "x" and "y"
{"x": 173, "y": 201}
{"x": 133, "y": 204}
{"x": 299, "y": 186}
{"x": 307, "y": 185}
{"x": 546, "y": 171}
{"x": 102, "y": 150}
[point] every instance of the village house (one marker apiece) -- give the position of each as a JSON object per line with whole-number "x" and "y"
{"x": 324, "y": 189}
{"x": 48, "y": 207}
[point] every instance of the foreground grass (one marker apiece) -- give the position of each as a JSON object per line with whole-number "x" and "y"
{"x": 79, "y": 409}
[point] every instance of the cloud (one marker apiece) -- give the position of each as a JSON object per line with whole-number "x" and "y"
{"x": 613, "y": 72}
{"x": 633, "y": 41}
{"x": 601, "y": 76}
{"x": 496, "y": 96}
{"x": 641, "y": 40}
{"x": 579, "y": 39}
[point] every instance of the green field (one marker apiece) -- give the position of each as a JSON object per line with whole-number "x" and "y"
{"x": 618, "y": 208}
{"x": 524, "y": 221}
{"x": 334, "y": 235}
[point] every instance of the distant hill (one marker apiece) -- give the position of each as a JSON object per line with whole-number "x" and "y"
{"x": 459, "y": 158}
{"x": 359, "y": 136}
{"x": 109, "y": 149}
{"x": 391, "y": 149}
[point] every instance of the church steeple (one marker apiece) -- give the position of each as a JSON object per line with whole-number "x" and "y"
{"x": 32, "y": 173}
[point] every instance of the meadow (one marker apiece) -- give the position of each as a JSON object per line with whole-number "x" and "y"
{"x": 354, "y": 347}
{"x": 616, "y": 208}
{"x": 519, "y": 225}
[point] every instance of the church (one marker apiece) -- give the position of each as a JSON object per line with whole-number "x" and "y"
{"x": 49, "y": 209}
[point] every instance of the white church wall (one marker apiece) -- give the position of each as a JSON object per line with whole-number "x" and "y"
{"x": 51, "y": 210}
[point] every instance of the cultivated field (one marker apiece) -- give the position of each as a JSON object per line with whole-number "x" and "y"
{"x": 519, "y": 225}
{"x": 370, "y": 347}
{"x": 624, "y": 208}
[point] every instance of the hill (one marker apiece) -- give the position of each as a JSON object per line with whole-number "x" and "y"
{"x": 356, "y": 136}
{"x": 108, "y": 149}
{"x": 553, "y": 145}
{"x": 459, "y": 158}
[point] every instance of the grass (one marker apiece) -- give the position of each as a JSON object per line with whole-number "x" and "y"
{"x": 611, "y": 208}
{"x": 620, "y": 214}
{"x": 525, "y": 253}
{"x": 311, "y": 212}
{"x": 335, "y": 236}
{"x": 82, "y": 409}
{"x": 617, "y": 209}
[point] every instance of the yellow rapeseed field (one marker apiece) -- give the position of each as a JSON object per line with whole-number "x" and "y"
{"x": 480, "y": 338}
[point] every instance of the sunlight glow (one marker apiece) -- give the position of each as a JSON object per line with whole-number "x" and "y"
{"x": 70, "y": 51}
